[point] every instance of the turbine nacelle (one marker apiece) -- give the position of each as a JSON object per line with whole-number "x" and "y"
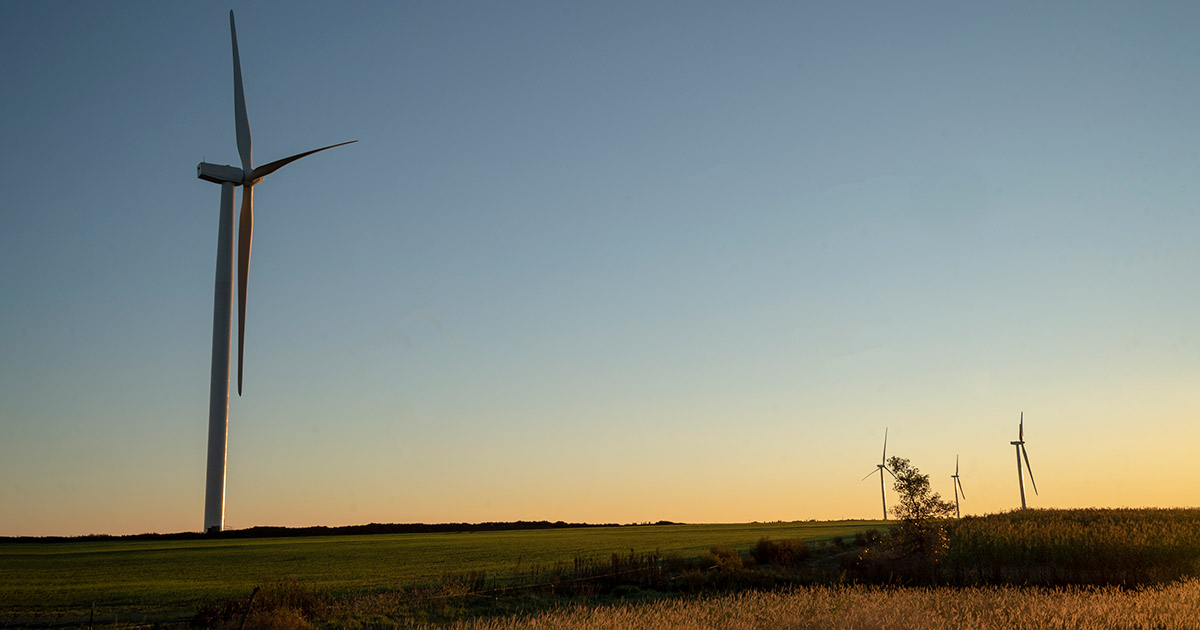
{"x": 220, "y": 173}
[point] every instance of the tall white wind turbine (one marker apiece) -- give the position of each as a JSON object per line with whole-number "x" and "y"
{"x": 957, "y": 488}
{"x": 1020, "y": 445}
{"x": 228, "y": 177}
{"x": 880, "y": 468}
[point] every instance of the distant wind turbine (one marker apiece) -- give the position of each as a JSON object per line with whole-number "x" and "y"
{"x": 228, "y": 177}
{"x": 881, "y": 467}
{"x": 1021, "y": 452}
{"x": 957, "y": 488}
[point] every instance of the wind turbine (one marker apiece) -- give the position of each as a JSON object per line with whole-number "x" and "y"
{"x": 1020, "y": 444}
{"x": 957, "y": 488}
{"x": 882, "y": 466}
{"x": 228, "y": 177}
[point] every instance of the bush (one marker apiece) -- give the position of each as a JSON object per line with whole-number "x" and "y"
{"x": 724, "y": 559}
{"x": 787, "y": 553}
{"x": 867, "y": 538}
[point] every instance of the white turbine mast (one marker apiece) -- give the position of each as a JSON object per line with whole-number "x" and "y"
{"x": 229, "y": 177}
{"x": 957, "y": 488}
{"x": 1021, "y": 452}
{"x": 880, "y": 468}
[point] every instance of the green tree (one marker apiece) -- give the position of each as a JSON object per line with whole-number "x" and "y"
{"x": 920, "y": 537}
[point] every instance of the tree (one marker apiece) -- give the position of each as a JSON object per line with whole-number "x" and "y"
{"x": 921, "y": 535}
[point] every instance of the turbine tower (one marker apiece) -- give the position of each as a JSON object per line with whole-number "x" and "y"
{"x": 957, "y": 488}
{"x": 882, "y": 466}
{"x": 228, "y": 177}
{"x": 1020, "y": 445}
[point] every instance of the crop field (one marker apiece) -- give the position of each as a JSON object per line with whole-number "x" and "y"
{"x": 168, "y": 579}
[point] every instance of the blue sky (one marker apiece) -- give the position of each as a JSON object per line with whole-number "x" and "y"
{"x": 614, "y": 262}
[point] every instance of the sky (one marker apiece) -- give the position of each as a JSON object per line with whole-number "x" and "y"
{"x": 603, "y": 262}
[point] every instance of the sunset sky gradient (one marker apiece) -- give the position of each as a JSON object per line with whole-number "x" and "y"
{"x": 605, "y": 262}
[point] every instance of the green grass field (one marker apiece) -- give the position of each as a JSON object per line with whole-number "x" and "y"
{"x": 167, "y": 579}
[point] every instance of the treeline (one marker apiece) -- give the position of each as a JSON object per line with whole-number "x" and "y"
{"x": 321, "y": 530}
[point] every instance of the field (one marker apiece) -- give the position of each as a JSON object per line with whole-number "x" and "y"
{"x": 1117, "y": 568}
{"x": 1173, "y": 606}
{"x": 169, "y": 579}
{"x": 1093, "y": 546}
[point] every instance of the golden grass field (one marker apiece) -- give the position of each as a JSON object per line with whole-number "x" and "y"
{"x": 1174, "y": 606}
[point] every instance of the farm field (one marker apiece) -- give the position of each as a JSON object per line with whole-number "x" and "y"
{"x": 168, "y": 579}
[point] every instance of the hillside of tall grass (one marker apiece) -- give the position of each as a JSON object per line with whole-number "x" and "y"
{"x": 1084, "y": 546}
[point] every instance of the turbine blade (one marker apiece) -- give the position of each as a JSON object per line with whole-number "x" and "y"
{"x": 241, "y": 119}
{"x": 869, "y": 474}
{"x": 267, "y": 169}
{"x": 890, "y": 473}
{"x": 1029, "y": 468}
{"x": 245, "y": 236}
{"x": 884, "y": 460}
{"x": 1021, "y": 431}
{"x": 956, "y": 465}
{"x": 960, "y": 488}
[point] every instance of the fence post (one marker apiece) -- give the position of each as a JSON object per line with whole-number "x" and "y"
{"x": 250, "y": 603}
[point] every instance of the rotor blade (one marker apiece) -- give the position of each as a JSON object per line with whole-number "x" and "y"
{"x": 241, "y": 119}
{"x": 956, "y": 465}
{"x": 890, "y": 473}
{"x": 1021, "y": 431}
{"x": 267, "y": 169}
{"x": 960, "y": 488}
{"x": 245, "y": 235}
{"x": 869, "y": 474}
{"x": 884, "y": 460}
{"x": 1029, "y": 468}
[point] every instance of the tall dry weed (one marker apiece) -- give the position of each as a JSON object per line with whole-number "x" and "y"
{"x": 1175, "y": 606}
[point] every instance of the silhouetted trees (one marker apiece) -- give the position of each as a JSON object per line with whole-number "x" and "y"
{"x": 920, "y": 539}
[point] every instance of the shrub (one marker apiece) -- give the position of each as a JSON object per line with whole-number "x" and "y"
{"x": 787, "y": 553}
{"x": 724, "y": 559}
{"x": 867, "y": 538}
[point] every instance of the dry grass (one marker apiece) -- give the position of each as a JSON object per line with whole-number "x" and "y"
{"x": 1087, "y": 546}
{"x": 859, "y": 607}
